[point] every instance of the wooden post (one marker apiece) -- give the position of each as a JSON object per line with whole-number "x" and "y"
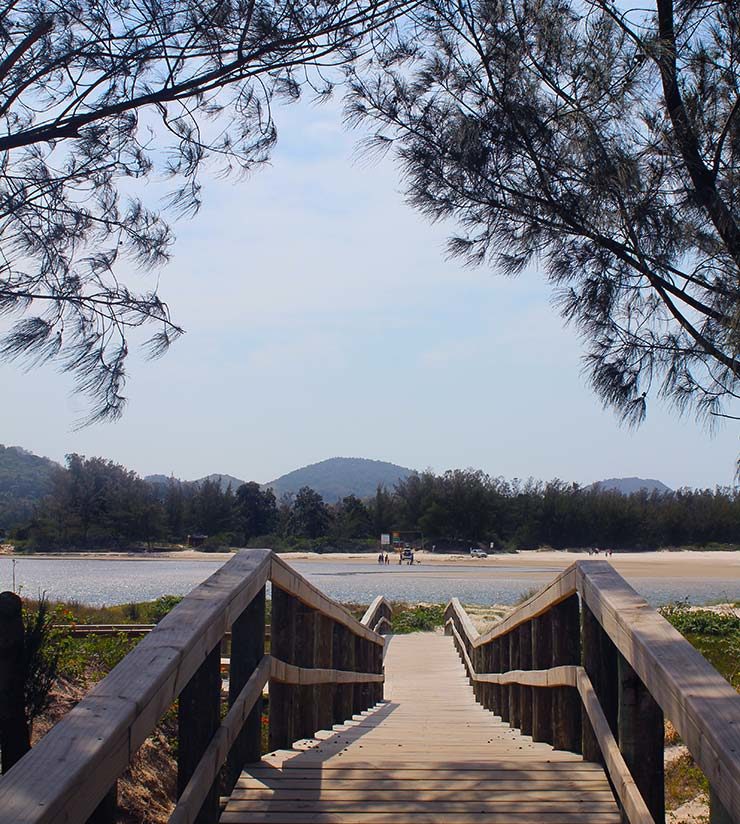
{"x": 504, "y": 667}
{"x": 199, "y": 716}
{"x": 247, "y": 649}
{"x": 600, "y": 662}
{"x": 525, "y": 663}
{"x": 542, "y": 696}
{"x": 306, "y": 721}
{"x": 496, "y": 667}
{"x": 323, "y": 658}
{"x": 485, "y": 666}
{"x": 358, "y": 689}
{"x": 378, "y": 668}
{"x": 566, "y": 649}
{"x": 514, "y": 690}
{"x": 344, "y": 659}
{"x": 475, "y": 654}
{"x": 14, "y": 733}
{"x": 282, "y": 640}
{"x": 641, "y": 737}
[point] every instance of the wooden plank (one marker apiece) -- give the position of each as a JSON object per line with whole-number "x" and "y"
{"x": 426, "y": 817}
{"x": 487, "y": 785}
{"x": 388, "y": 803}
{"x": 531, "y": 770}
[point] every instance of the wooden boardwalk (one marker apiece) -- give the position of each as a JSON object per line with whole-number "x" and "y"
{"x": 428, "y": 754}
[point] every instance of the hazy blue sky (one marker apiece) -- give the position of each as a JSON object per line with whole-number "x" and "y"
{"x": 322, "y": 319}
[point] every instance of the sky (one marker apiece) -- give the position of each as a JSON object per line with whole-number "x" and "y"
{"x": 324, "y": 320}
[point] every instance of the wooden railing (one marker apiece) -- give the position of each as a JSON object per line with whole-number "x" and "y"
{"x": 324, "y": 666}
{"x": 587, "y": 665}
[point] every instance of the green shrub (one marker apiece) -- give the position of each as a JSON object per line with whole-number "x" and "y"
{"x": 421, "y": 618}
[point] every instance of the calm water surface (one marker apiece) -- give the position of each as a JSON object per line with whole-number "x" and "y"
{"x": 103, "y": 582}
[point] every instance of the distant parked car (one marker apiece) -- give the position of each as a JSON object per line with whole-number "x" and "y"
{"x": 477, "y": 553}
{"x": 407, "y": 555}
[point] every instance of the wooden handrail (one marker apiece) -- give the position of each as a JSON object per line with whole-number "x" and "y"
{"x": 574, "y": 676}
{"x": 66, "y": 776}
{"x": 288, "y": 579}
{"x": 378, "y": 615}
{"x": 702, "y": 705}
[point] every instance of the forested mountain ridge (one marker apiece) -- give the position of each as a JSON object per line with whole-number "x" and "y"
{"x": 631, "y": 486}
{"x": 24, "y": 479}
{"x": 224, "y": 481}
{"x": 94, "y": 503}
{"x": 335, "y": 478}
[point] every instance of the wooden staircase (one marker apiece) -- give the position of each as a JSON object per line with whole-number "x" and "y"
{"x": 428, "y": 754}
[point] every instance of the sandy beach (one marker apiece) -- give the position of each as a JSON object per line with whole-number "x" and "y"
{"x": 676, "y": 564}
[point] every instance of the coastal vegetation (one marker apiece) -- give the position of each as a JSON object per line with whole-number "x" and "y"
{"x": 94, "y": 503}
{"x": 74, "y": 664}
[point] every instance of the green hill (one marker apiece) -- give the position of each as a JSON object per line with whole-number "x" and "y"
{"x": 24, "y": 479}
{"x": 335, "y": 478}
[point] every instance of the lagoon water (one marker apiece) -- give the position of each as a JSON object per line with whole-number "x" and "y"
{"x": 109, "y": 581}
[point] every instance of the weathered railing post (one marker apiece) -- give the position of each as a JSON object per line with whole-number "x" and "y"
{"x": 476, "y": 656}
{"x": 358, "y": 690}
{"x": 542, "y": 696}
{"x": 566, "y": 650}
{"x": 305, "y": 722}
{"x": 282, "y": 696}
{"x": 199, "y": 715}
{"x": 344, "y": 658}
{"x": 525, "y": 663}
{"x": 379, "y": 668}
{"x": 495, "y": 664}
{"x": 600, "y": 663}
{"x": 641, "y": 737}
{"x": 366, "y": 665}
{"x": 504, "y": 667}
{"x": 515, "y": 690}
{"x": 324, "y": 660}
{"x": 485, "y": 665}
{"x": 247, "y": 650}
{"x": 14, "y": 736}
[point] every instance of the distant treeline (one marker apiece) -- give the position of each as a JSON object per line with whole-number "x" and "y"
{"x": 94, "y": 503}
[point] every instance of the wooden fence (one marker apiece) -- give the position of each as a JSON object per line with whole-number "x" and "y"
{"x": 588, "y": 666}
{"x": 324, "y": 665}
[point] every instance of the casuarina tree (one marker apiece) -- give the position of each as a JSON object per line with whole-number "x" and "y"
{"x": 600, "y": 143}
{"x": 99, "y": 96}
